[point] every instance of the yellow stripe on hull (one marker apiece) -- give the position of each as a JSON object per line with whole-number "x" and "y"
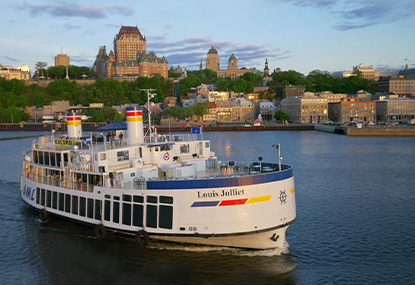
{"x": 259, "y": 199}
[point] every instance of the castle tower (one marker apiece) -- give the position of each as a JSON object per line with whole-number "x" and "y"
{"x": 212, "y": 60}
{"x": 135, "y": 126}
{"x": 127, "y": 43}
{"x": 232, "y": 62}
{"x": 266, "y": 69}
{"x": 74, "y": 125}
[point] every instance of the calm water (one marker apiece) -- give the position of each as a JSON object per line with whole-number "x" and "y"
{"x": 355, "y": 222}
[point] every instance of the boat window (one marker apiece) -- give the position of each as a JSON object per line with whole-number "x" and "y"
{"x": 152, "y": 199}
{"x": 138, "y": 199}
{"x": 166, "y": 200}
{"x": 166, "y": 217}
{"x": 58, "y": 159}
{"x": 102, "y": 156}
{"x": 61, "y": 201}
{"x": 75, "y": 205}
{"x": 126, "y": 214}
{"x": 54, "y": 200}
{"x": 48, "y": 198}
{"x": 122, "y": 155}
{"x": 42, "y": 197}
{"x": 116, "y": 198}
{"x": 138, "y": 215}
{"x": 107, "y": 196}
{"x": 82, "y": 206}
{"x": 126, "y": 198}
{"x": 35, "y": 157}
{"x": 141, "y": 152}
{"x": 151, "y": 220}
{"x": 184, "y": 148}
{"x": 165, "y": 148}
{"x": 67, "y": 203}
{"x": 98, "y": 206}
{"x": 156, "y": 148}
{"x": 116, "y": 212}
{"x": 52, "y": 159}
{"x": 207, "y": 145}
{"x": 37, "y": 195}
{"x": 90, "y": 212}
{"x": 47, "y": 158}
{"x": 65, "y": 157}
{"x": 107, "y": 210}
{"x": 40, "y": 157}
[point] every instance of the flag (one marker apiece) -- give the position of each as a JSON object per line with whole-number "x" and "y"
{"x": 275, "y": 145}
{"x": 195, "y": 130}
{"x": 88, "y": 140}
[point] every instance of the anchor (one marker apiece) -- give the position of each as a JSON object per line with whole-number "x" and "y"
{"x": 274, "y": 237}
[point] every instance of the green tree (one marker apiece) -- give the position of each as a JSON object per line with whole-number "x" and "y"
{"x": 40, "y": 67}
{"x": 281, "y": 116}
{"x": 200, "y": 109}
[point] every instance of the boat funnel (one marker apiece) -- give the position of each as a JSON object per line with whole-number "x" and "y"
{"x": 135, "y": 126}
{"x": 74, "y": 125}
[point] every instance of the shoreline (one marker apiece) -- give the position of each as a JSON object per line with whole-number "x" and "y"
{"x": 349, "y": 131}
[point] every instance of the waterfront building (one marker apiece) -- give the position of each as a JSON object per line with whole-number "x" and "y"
{"x": 62, "y": 59}
{"x": 395, "y": 109}
{"x": 331, "y": 98}
{"x": 266, "y": 110}
{"x": 242, "y": 110}
{"x": 398, "y": 85}
{"x": 292, "y": 91}
{"x": 130, "y": 59}
{"x": 306, "y": 109}
{"x": 233, "y": 71}
{"x": 352, "y": 109}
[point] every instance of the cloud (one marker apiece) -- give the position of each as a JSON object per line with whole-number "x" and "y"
{"x": 11, "y": 58}
{"x": 168, "y": 26}
{"x": 189, "y": 51}
{"x": 89, "y": 12}
{"x": 358, "y": 14}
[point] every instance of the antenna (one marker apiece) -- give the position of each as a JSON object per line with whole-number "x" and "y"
{"x": 149, "y": 96}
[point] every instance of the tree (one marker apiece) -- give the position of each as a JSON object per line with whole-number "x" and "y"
{"x": 40, "y": 66}
{"x": 281, "y": 116}
{"x": 200, "y": 109}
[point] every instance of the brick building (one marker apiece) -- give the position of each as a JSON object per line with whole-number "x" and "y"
{"x": 352, "y": 109}
{"x": 306, "y": 109}
{"x": 395, "y": 109}
{"x": 292, "y": 91}
{"x": 398, "y": 85}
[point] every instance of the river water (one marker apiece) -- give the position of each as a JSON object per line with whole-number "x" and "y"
{"x": 355, "y": 222}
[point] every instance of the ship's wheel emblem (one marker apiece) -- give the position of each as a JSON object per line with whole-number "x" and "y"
{"x": 166, "y": 156}
{"x": 283, "y": 197}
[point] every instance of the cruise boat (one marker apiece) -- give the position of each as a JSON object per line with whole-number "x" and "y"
{"x": 162, "y": 187}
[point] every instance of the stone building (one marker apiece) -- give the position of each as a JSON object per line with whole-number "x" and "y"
{"x": 395, "y": 109}
{"x": 233, "y": 71}
{"x": 306, "y": 109}
{"x": 398, "y": 85}
{"x": 331, "y": 98}
{"x": 62, "y": 59}
{"x": 352, "y": 109}
{"x": 292, "y": 91}
{"x": 130, "y": 58}
{"x": 367, "y": 72}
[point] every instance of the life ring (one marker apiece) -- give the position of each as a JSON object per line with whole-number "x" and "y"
{"x": 100, "y": 231}
{"x": 46, "y": 140}
{"x": 43, "y": 215}
{"x": 142, "y": 238}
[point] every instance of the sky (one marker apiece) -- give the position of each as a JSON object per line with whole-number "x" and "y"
{"x": 301, "y": 35}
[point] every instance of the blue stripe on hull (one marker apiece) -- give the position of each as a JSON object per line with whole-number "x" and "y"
{"x": 221, "y": 182}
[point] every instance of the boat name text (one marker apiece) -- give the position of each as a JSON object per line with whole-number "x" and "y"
{"x": 29, "y": 193}
{"x": 222, "y": 193}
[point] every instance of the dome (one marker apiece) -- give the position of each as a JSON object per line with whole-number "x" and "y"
{"x": 212, "y": 50}
{"x": 232, "y": 57}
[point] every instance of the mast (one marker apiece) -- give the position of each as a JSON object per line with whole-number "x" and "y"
{"x": 149, "y": 96}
